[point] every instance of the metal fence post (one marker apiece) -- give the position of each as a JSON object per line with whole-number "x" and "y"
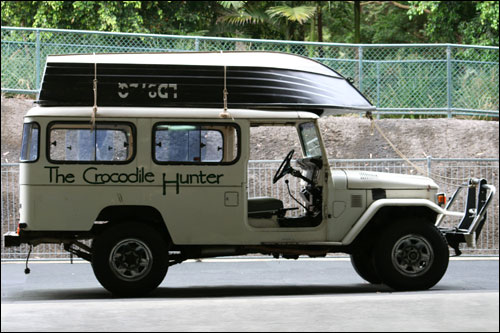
{"x": 429, "y": 160}
{"x": 378, "y": 88}
{"x": 449, "y": 81}
{"x": 360, "y": 78}
{"x": 37, "y": 60}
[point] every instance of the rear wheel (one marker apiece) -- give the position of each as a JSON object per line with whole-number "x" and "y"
{"x": 411, "y": 255}
{"x": 130, "y": 259}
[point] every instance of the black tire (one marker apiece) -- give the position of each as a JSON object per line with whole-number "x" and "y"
{"x": 130, "y": 259}
{"x": 363, "y": 265}
{"x": 411, "y": 255}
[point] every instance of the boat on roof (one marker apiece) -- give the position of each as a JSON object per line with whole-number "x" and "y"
{"x": 253, "y": 80}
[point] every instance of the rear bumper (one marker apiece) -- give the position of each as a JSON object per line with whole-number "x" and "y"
{"x": 11, "y": 239}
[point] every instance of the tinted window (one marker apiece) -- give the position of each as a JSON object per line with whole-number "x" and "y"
{"x": 79, "y": 143}
{"x": 186, "y": 143}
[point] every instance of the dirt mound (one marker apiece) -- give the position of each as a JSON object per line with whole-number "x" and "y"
{"x": 345, "y": 137}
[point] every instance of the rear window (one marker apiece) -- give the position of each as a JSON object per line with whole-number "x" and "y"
{"x": 30, "y": 144}
{"x": 79, "y": 143}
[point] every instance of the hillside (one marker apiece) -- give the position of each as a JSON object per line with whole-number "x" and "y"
{"x": 345, "y": 137}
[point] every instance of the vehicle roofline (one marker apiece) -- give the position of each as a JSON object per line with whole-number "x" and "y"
{"x": 163, "y": 112}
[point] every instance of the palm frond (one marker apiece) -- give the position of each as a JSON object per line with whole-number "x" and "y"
{"x": 242, "y": 16}
{"x": 300, "y": 14}
{"x": 239, "y": 18}
{"x": 234, "y": 4}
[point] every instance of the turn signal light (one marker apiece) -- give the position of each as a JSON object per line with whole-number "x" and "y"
{"x": 441, "y": 199}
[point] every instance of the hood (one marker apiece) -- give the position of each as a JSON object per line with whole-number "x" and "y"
{"x": 372, "y": 180}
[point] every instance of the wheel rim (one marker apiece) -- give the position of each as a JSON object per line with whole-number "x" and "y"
{"x": 131, "y": 260}
{"x": 412, "y": 255}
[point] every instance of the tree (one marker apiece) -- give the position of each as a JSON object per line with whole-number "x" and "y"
{"x": 113, "y": 15}
{"x": 284, "y": 18}
{"x": 468, "y": 22}
{"x": 357, "y": 22}
{"x": 164, "y": 17}
{"x": 386, "y": 22}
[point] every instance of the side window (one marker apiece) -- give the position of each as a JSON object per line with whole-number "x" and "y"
{"x": 195, "y": 144}
{"x": 30, "y": 144}
{"x": 77, "y": 142}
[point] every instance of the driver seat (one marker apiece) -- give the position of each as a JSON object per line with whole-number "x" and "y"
{"x": 264, "y": 207}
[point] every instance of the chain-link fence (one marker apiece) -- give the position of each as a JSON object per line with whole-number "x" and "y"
{"x": 399, "y": 79}
{"x": 260, "y": 175}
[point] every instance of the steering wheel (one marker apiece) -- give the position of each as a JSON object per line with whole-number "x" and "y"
{"x": 284, "y": 168}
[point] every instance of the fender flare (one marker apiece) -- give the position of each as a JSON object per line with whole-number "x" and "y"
{"x": 145, "y": 213}
{"x": 370, "y": 212}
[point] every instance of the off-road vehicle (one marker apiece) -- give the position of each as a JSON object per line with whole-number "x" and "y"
{"x": 147, "y": 156}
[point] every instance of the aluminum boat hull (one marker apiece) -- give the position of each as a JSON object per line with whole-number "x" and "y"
{"x": 193, "y": 86}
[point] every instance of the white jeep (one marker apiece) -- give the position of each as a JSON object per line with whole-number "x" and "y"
{"x": 161, "y": 175}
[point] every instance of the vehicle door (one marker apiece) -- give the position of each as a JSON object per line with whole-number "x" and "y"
{"x": 202, "y": 171}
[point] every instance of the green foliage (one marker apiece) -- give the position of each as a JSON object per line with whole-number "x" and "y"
{"x": 464, "y": 22}
{"x": 385, "y": 24}
{"x": 233, "y": 4}
{"x": 266, "y": 19}
{"x": 300, "y": 14}
{"x": 467, "y": 22}
{"x": 161, "y": 17}
{"x": 113, "y": 15}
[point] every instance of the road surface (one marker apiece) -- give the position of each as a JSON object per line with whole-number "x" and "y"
{"x": 241, "y": 294}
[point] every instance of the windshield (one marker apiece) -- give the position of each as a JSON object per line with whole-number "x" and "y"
{"x": 310, "y": 140}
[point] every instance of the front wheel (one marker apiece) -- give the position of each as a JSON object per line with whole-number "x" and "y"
{"x": 130, "y": 259}
{"x": 363, "y": 265}
{"x": 411, "y": 255}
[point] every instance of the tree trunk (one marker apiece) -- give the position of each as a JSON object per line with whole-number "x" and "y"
{"x": 357, "y": 22}
{"x": 320, "y": 22}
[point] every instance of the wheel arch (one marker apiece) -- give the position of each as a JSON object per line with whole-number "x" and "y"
{"x": 113, "y": 215}
{"x": 378, "y": 216}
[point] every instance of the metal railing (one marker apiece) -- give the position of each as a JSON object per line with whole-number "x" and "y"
{"x": 260, "y": 184}
{"x": 427, "y": 79}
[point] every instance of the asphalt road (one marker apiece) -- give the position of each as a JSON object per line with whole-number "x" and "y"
{"x": 250, "y": 295}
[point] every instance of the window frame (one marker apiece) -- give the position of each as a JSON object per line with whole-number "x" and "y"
{"x": 95, "y": 162}
{"x": 201, "y": 124}
{"x": 37, "y": 143}
{"x": 303, "y": 143}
